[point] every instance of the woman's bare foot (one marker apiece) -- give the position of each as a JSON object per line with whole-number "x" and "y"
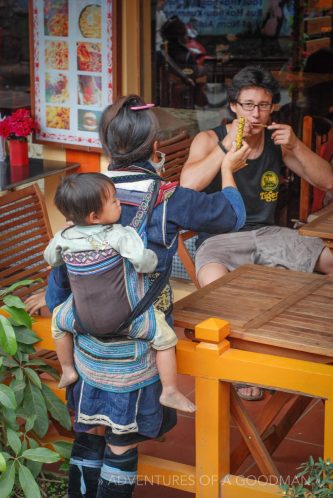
{"x": 68, "y": 377}
{"x": 174, "y": 399}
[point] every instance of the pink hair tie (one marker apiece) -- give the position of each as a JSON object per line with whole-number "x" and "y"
{"x": 141, "y": 107}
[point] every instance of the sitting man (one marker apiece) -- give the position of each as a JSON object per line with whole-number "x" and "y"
{"x": 252, "y": 95}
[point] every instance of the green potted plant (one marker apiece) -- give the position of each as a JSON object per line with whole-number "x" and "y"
{"x": 26, "y": 403}
{"x": 314, "y": 480}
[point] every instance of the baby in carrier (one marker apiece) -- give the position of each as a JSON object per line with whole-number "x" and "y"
{"x": 105, "y": 263}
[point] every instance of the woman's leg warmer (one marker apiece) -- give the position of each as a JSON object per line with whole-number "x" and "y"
{"x": 118, "y": 474}
{"x": 85, "y": 465}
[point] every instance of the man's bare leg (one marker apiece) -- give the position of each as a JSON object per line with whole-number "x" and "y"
{"x": 325, "y": 262}
{"x": 210, "y": 272}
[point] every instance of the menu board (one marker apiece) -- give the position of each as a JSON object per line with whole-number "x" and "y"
{"x": 73, "y": 68}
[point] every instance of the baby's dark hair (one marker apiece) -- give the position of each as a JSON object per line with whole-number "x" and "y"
{"x": 80, "y": 194}
{"x": 251, "y": 76}
{"x": 128, "y": 135}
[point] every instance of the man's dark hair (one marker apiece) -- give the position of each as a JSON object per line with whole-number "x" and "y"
{"x": 253, "y": 76}
{"x": 128, "y": 135}
{"x": 80, "y": 194}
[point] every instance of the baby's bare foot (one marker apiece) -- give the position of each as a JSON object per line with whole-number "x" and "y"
{"x": 175, "y": 399}
{"x": 68, "y": 377}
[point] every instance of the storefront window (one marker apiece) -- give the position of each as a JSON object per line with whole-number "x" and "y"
{"x": 200, "y": 45}
{"x": 14, "y": 55}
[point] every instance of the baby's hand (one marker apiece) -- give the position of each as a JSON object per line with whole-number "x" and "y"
{"x": 236, "y": 159}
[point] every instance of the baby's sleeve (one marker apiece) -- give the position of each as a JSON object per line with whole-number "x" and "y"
{"x": 128, "y": 243}
{"x": 52, "y": 253}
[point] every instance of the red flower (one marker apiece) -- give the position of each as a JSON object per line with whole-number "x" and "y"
{"x": 19, "y": 124}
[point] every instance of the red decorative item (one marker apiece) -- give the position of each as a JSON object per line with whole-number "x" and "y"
{"x": 18, "y": 152}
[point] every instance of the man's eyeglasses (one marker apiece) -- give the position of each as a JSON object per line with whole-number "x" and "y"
{"x": 249, "y": 106}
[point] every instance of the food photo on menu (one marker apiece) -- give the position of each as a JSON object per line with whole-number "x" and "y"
{"x": 56, "y": 88}
{"x": 88, "y": 120}
{"x": 89, "y": 90}
{"x": 56, "y": 18}
{"x": 89, "y": 57}
{"x": 90, "y": 21}
{"x": 57, "y": 117}
{"x": 56, "y": 54}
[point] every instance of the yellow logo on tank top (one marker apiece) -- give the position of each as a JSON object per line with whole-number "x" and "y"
{"x": 269, "y": 182}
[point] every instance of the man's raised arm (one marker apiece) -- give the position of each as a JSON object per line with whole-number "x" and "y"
{"x": 203, "y": 163}
{"x": 302, "y": 160}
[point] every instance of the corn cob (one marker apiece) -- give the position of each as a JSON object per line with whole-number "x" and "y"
{"x": 239, "y": 136}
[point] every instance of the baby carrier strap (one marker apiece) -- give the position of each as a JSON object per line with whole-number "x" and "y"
{"x": 159, "y": 283}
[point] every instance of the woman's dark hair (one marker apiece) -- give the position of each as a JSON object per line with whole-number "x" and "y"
{"x": 253, "y": 76}
{"x": 80, "y": 194}
{"x": 128, "y": 135}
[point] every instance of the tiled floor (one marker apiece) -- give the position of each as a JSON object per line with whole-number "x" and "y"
{"x": 303, "y": 440}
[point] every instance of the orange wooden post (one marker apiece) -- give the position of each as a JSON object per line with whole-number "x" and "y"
{"x": 328, "y": 430}
{"x": 212, "y": 427}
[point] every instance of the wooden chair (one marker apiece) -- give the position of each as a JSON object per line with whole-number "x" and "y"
{"x": 322, "y": 144}
{"x": 25, "y": 232}
{"x": 176, "y": 150}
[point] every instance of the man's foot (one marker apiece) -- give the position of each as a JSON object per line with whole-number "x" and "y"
{"x": 175, "y": 399}
{"x": 249, "y": 393}
{"x": 68, "y": 377}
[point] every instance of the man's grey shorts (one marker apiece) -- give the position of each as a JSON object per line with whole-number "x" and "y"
{"x": 271, "y": 246}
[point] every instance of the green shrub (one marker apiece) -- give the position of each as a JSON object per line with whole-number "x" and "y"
{"x": 26, "y": 403}
{"x": 316, "y": 480}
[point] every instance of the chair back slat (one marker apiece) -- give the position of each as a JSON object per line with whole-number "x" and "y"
{"x": 25, "y": 232}
{"x": 176, "y": 150}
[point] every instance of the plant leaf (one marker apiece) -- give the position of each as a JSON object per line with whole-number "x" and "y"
{"x": 7, "y": 336}
{"x": 14, "y": 441}
{"x": 7, "y": 481}
{"x": 35, "y": 467}
{"x": 3, "y": 464}
{"x": 64, "y": 448}
{"x": 30, "y": 422}
{"x": 28, "y": 483}
{"x": 26, "y": 336}
{"x": 19, "y": 316}
{"x": 7, "y": 397}
{"x": 10, "y": 418}
{"x": 56, "y": 408}
{"x": 34, "y": 403}
{"x": 33, "y": 377}
{"x": 10, "y": 362}
{"x": 18, "y": 387}
{"x": 15, "y": 301}
{"x": 21, "y": 283}
{"x": 40, "y": 454}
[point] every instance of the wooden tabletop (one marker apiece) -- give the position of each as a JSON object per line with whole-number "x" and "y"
{"x": 321, "y": 227}
{"x": 11, "y": 178}
{"x": 270, "y": 310}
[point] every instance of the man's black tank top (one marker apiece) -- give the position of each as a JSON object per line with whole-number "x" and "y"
{"x": 258, "y": 183}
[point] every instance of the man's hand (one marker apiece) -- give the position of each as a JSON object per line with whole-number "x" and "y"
{"x": 283, "y": 135}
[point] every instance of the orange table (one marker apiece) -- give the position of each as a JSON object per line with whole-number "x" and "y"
{"x": 271, "y": 311}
